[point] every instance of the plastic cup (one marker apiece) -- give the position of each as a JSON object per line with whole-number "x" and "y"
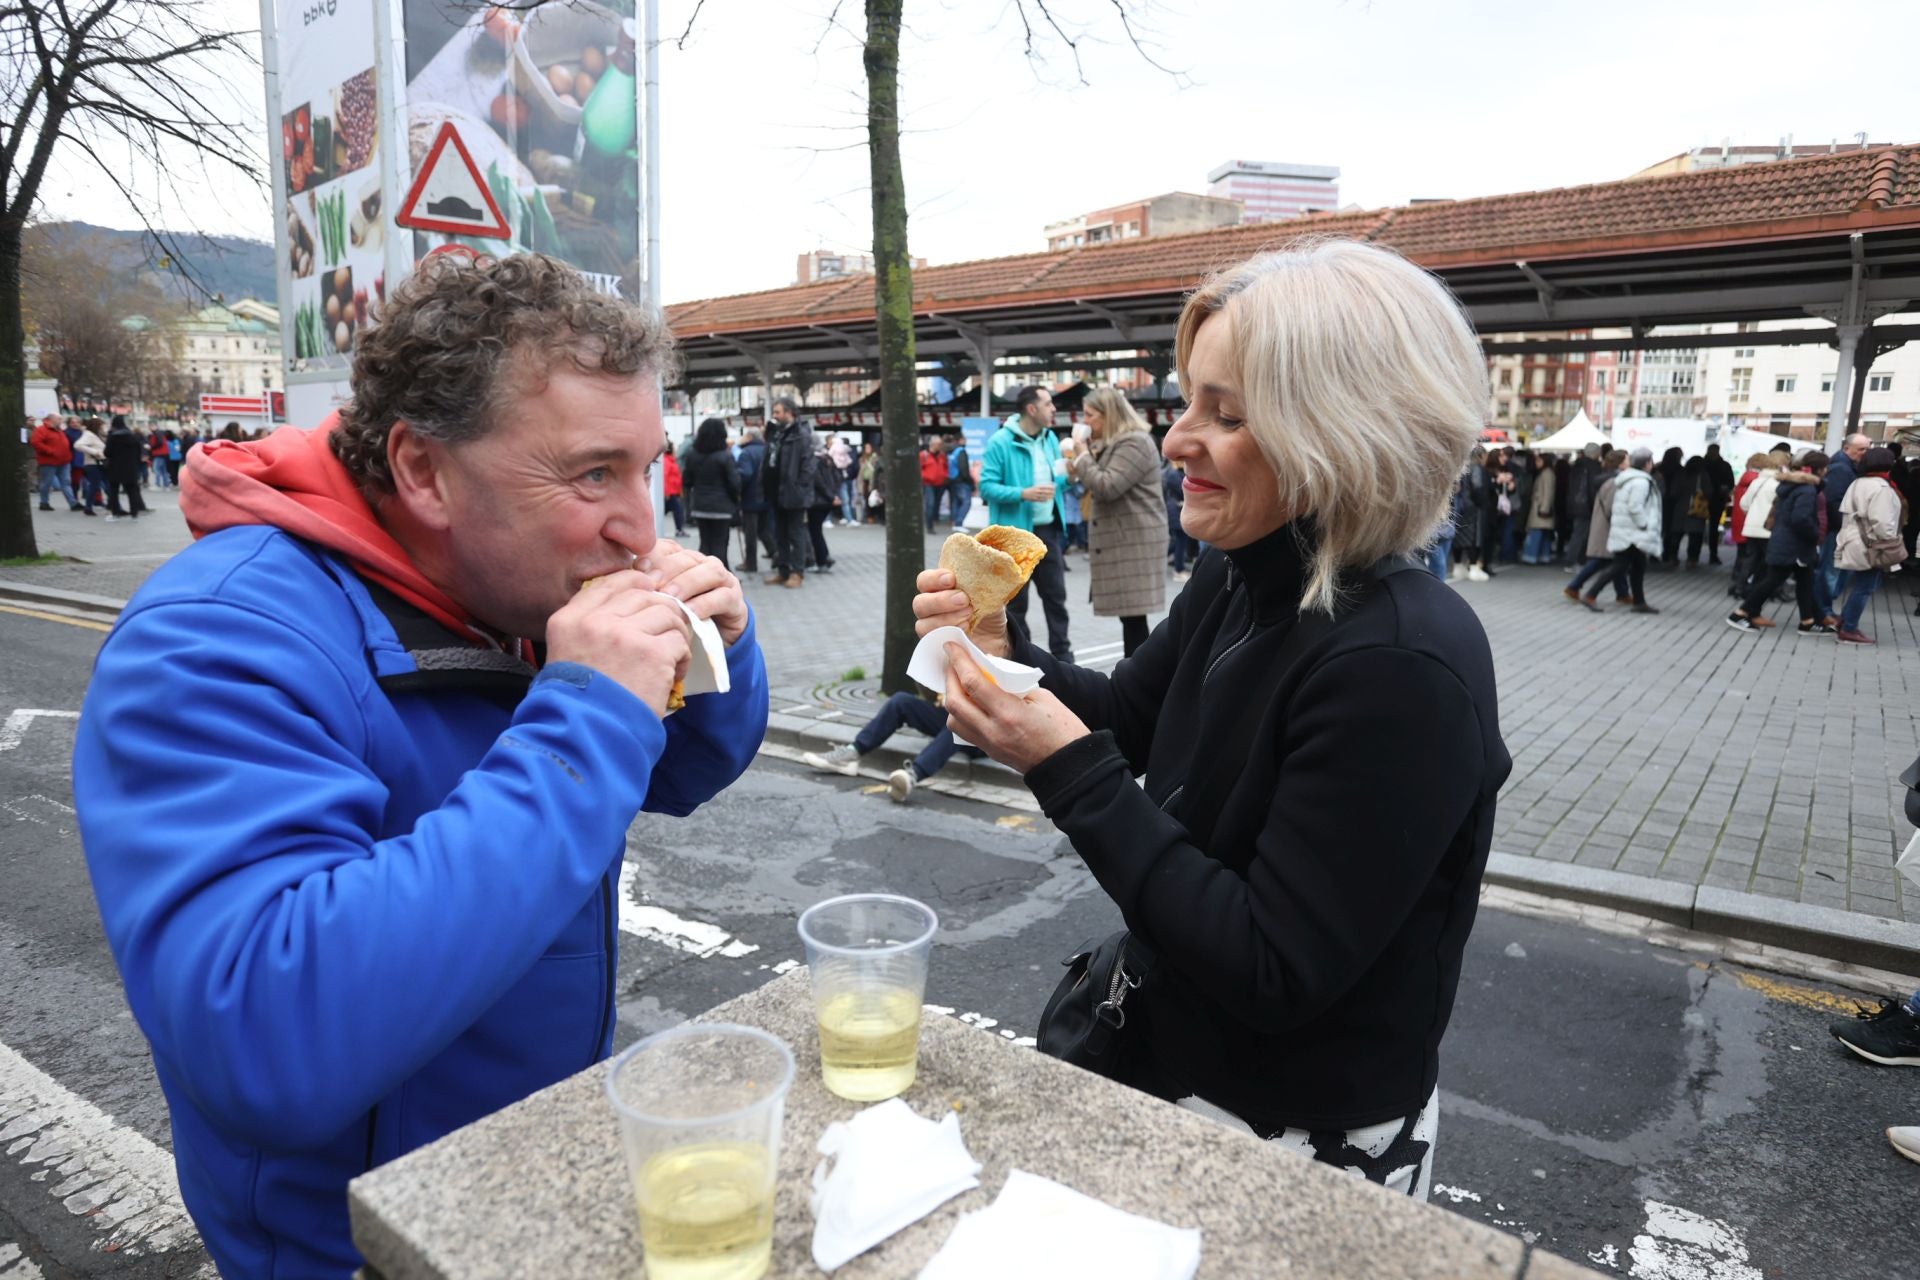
{"x": 868, "y": 957}
{"x": 700, "y": 1108}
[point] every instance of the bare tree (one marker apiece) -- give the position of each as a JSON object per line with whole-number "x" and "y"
{"x": 101, "y": 331}
{"x": 122, "y": 87}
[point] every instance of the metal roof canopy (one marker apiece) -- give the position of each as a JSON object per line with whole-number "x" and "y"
{"x": 1833, "y": 275}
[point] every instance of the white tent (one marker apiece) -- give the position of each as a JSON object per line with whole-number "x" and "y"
{"x": 1572, "y": 438}
{"x": 1660, "y": 434}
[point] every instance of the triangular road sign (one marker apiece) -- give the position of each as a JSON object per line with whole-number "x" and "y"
{"x": 450, "y": 195}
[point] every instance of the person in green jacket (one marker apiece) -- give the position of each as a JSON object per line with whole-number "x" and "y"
{"x": 1019, "y": 481}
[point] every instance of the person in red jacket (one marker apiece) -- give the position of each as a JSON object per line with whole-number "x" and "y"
{"x": 933, "y": 477}
{"x": 54, "y": 454}
{"x": 674, "y": 507}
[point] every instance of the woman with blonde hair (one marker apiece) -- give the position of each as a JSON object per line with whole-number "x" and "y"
{"x": 1127, "y": 532}
{"x": 1316, "y": 723}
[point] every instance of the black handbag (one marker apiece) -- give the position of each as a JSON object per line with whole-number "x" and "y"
{"x": 1086, "y": 1014}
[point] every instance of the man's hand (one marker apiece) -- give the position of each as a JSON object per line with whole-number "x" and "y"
{"x": 630, "y": 633}
{"x": 941, "y": 604}
{"x": 1038, "y": 492}
{"x": 1018, "y": 731}
{"x": 702, "y": 581}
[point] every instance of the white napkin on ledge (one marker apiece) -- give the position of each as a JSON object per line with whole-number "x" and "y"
{"x": 1037, "y": 1229}
{"x": 890, "y": 1169}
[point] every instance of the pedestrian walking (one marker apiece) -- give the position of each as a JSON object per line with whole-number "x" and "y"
{"x": 1669, "y": 477}
{"x": 1584, "y": 477}
{"x": 1869, "y": 541}
{"x": 1303, "y": 933}
{"x": 1510, "y": 483}
{"x": 1127, "y": 536}
{"x": 959, "y": 482}
{"x": 789, "y": 483}
{"x": 1798, "y": 516}
{"x": 826, "y": 491}
{"x": 122, "y": 458}
{"x": 91, "y": 452}
{"x": 933, "y": 478}
{"x": 392, "y": 832}
{"x": 1073, "y": 508}
{"x": 1540, "y": 513}
{"x": 1470, "y": 494}
{"x": 901, "y": 710}
{"x": 159, "y": 450}
{"x": 1696, "y": 508}
{"x": 713, "y": 488}
{"x": 177, "y": 448}
{"x": 1020, "y": 480}
{"x": 1840, "y": 475}
{"x": 847, "y": 479}
{"x": 672, "y": 485}
{"x": 1180, "y": 545}
{"x": 53, "y": 453}
{"x": 755, "y": 525}
{"x": 1719, "y": 495}
{"x": 1635, "y": 536}
{"x": 869, "y": 483}
{"x": 1598, "y": 568}
{"x": 1752, "y": 502}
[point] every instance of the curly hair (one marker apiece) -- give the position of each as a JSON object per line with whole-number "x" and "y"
{"x": 462, "y": 335}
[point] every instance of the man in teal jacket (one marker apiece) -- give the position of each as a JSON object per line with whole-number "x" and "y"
{"x": 1019, "y": 482}
{"x": 361, "y": 870}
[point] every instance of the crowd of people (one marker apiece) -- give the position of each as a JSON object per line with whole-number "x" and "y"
{"x": 93, "y": 463}
{"x": 1823, "y": 532}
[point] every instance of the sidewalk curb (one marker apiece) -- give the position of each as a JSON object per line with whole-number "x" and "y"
{"x": 28, "y": 593}
{"x": 1850, "y": 936}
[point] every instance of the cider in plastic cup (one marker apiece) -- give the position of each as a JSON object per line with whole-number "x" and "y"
{"x": 700, "y": 1110}
{"x": 867, "y": 954}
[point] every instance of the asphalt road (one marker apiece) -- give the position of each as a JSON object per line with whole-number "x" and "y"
{"x": 1623, "y": 1105}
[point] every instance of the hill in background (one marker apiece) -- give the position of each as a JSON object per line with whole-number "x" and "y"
{"x": 225, "y": 265}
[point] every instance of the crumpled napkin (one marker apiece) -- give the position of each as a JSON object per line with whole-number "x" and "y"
{"x": 890, "y": 1169}
{"x": 929, "y": 665}
{"x": 1037, "y": 1229}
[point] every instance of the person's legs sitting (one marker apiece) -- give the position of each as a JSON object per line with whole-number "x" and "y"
{"x": 902, "y": 709}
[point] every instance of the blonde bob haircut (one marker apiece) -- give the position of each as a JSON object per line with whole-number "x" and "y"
{"x": 1119, "y": 413}
{"x": 1364, "y": 388}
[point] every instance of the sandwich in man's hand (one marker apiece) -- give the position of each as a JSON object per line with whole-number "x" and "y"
{"x": 676, "y": 696}
{"x": 991, "y": 567}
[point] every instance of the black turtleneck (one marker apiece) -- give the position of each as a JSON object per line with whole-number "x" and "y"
{"x": 1305, "y": 856}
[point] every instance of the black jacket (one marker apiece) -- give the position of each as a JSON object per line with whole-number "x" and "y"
{"x": 789, "y": 471}
{"x": 1796, "y": 520}
{"x": 712, "y": 482}
{"x": 123, "y": 457}
{"x": 1305, "y": 857}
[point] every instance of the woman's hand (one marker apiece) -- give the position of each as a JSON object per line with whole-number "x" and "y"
{"x": 941, "y": 604}
{"x": 1018, "y": 731}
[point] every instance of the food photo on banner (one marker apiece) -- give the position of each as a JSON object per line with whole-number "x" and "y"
{"x": 332, "y": 274}
{"x": 544, "y": 100}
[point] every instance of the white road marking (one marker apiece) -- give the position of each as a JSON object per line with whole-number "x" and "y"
{"x": 17, "y": 722}
{"x": 1606, "y": 1255}
{"x": 14, "y": 1266}
{"x": 19, "y": 808}
{"x": 1455, "y": 1194}
{"x": 1679, "y": 1244}
{"x": 657, "y": 924}
{"x": 98, "y": 1168}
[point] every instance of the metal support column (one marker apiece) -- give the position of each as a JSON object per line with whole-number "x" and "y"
{"x": 1837, "y": 425}
{"x": 983, "y": 355}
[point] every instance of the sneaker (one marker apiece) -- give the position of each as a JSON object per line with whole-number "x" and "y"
{"x": 900, "y": 785}
{"x": 1641, "y": 606}
{"x": 1477, "y": 574}
{"x": 1889, "y": 1035}
{"x": 1814, "y": 629}
{"x": 1832, "y": 620}
{"x": 1570, "y": 594}
{"x": 1592, "y": 603}
{"x": 1845, "y": 636}
{"x": 111, "y": 517}
{"x": 842, "y": 759}
{"x": 1740, "y": 622}
{"x": 1906, "y": 1140}
{"x": 46, "y": 506}
{"x": 1182, "y": 575}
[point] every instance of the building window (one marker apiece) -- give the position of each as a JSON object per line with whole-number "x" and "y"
{"x": 1785, "y": 382}
{"x": 1743, "y": 353}
{"x": 1506, "y": 377}
{"x": 1600, "y": 379}
{"x": 1742, "y": 382}
{"x": 1826, "y": 384}
{"x": 1879, "y": 382}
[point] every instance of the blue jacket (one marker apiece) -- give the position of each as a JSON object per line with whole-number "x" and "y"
{"x": 1007, "y": 470}
{"x": 358, "y": 899}
{"x": 1796, "y": 520}
{"x": 1840, "y": 477}
{"x": 752, "y": 458}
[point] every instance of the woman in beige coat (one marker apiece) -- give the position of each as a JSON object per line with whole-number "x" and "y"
{"x": 1871, "y": 517}
{"x": 1127, "y": 537}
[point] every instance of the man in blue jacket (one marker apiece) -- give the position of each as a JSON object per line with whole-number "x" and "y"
{"x": 360, "y": 873}
{"x": 755, "y": 527}
{"x": 1840, "y": 477}
{"x": 1018, "y": 480}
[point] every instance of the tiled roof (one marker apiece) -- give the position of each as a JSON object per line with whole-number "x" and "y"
{"x": 1858, "y": 189}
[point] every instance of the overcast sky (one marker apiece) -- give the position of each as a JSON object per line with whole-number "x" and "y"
{"x": 1409, "y": 98}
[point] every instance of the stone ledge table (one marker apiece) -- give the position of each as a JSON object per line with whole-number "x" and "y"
{"x": 541, "y": 1188}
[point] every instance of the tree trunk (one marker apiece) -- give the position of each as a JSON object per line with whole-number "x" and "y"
{"x": 893, "y": 305}
{"x": 17, "y": 471}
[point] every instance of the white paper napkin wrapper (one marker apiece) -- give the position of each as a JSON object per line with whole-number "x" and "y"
{"x": 929, "y": 665}
{"x": 1037, "y": 1229}
{"x": 707, "y": 673}
{"x": 890, "y": 1169}
{"x": 1909, "y": 863}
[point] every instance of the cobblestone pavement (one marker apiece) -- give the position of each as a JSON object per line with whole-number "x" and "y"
{"x": 1668, "y": 746}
